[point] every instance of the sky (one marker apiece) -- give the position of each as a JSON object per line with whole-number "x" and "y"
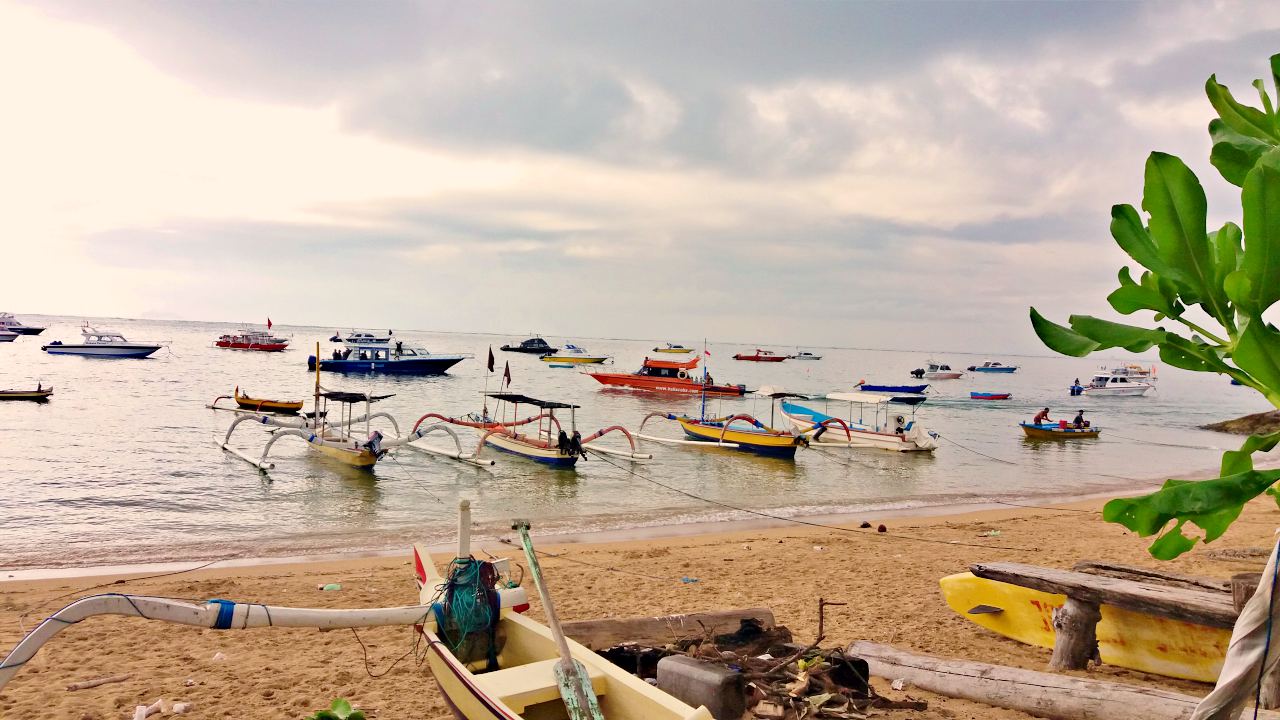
{"x": 865, "y": 174}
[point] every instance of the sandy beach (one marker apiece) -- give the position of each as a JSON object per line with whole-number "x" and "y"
{"x": 889, "y": 580}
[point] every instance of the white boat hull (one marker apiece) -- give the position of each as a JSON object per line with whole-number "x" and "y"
{"x": 918, "y": 440}
{"x": 943, "y": 375}
{"x": 1129, "y": 390}
{"x": 116, "y": 350}
{"x": 6, "y": 336}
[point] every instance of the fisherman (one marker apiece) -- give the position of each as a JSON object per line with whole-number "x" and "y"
{"x": 562, "y": 443}
{"x": 575, "y": 445}
{"x": 1079, "y": 421}
{"x": 399, "y": 347}
{"x": 1041, "y": 417}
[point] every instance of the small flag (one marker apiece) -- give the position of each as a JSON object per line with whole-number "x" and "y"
{"x": 506, "y": 373}
{"x": 268, "y": 323}
{"x": 490, "y": 358}
{"x": 708, "y": 352}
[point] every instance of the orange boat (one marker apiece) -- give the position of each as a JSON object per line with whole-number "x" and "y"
{"x": 668, "y": 376}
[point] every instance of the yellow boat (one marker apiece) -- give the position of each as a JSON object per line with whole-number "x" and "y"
{"x": 261, "y": 405}
{"x": 40, "y": 394}
{"x": 573, "y": 354}
{"x": 673, "y": 348}
{"x": 750, "y": 434}
{"x": 1125, "y": 639}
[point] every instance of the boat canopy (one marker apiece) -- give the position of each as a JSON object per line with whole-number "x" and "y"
{"x": 671, "y": 364}
{"x": 352, "y": 397}
{"x": 526, "y": 400}
{"x": 871, "y": 398}
{"x": 778, "y": 393}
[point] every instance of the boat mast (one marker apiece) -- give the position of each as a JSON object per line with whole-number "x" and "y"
{"x": 704, "y": 379}
{"x": 316, "y": 398}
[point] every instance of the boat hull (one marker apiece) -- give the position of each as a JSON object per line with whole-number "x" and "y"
{"x": 544, "y": 455}
{"x": 911, "y": 389}
{"x": 858, "y": 435}
{"x": 760, "y": 358}
{"x": 989, "y": 396}
{"x": 530, "y": 351}
{"x": 674, "y": 351}
{"x": 348, "y": 456}
{"x": 1056, "y": 432}
{"x": 102, "y": 351}
{"x": 412, "y": 366}
{"x": 760, "y": 443}
{"x": 276, "y": 406}
{"x": 1130, "y": 391}
{"x": 259, "y": 347}
{"x": 952, "y": 375}
{"x": 665, "y": 385}
{"x": 575, "y": 359}
{"x": 8, "y": 336}
{"x": 1005, "y": 369}
{"x": 25, "y": 329}
{"x": 30, "y": 395}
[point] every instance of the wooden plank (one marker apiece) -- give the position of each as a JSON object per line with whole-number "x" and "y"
{"x": 607, "y": 632}
{"x": 1159, "y": 577}
{"x": 1044, "y": 695}
{"x": 1195, "y": 606}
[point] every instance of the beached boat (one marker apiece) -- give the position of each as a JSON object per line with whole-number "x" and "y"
{"x": 248, "y": 339}
{"x": 534, "y": 345}
{"x": 975, "y": 395}
{"x": 397, "y": 359}
{"x": 760, "y": 356}
{"x": 40, "y": 394}
{"x": 490, "y": 661}
{"x": 576, "y": 355}
{"x": 886, "y": 428}
{"x": 1058, "y": 431}
{"x": 668, "y": 376}
{"x": 102, "y": 343}
{"x": 362, "y": 337}
{"x": 548, "y": 443}
{"x": 9, "y": 323}
{"x": 1113, "y": 384}
{"x": 934, "y": 370}
{"x": 991, "y": 366}
{"x": 673, "y": 348}
{"x": 7, "y": 336}
{"x": 805, "y": 355}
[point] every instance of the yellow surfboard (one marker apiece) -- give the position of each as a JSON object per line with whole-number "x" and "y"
{"x": 1125, "y": 639}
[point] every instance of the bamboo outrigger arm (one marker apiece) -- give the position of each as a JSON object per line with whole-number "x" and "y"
{"x": 454, "y": 455}
{"x": 635, "y": 453}
{"x": 214, "y": 614}
{"x": 673, "y": 441}
{"x": 487, "y": 425}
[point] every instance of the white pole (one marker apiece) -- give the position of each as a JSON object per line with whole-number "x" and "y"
{"x": 464, "y": 528}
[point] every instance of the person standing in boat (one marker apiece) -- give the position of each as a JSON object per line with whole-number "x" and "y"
{"x": 1041, "y": 418}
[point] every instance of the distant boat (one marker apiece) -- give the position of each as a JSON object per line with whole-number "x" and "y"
{"x": 673, "y": 348}
{"x": 398, "y": 359}
{"x": 40, "y": 394}
{"x": 912, "y": 389}
{"x": 534, "y": 345}
{"x": 989, "y": 396}
{"x": 935, "y": 370}
{"x": 574, "y": 354}
{"x": 1058, "y": 431}
{"x": 992, "y": 366}
{"x": 102, "y": 343}
{"x": 247, "y": 339}
{"x": 1115, "y": 383}
{"x": 885, "y": 428}
{"x": 263, "y": 405}
{"x": 668, "y": 376}
{"x": 7, "y": 336}
{"x": 9, "y": 323}
{"x": 805, "y": 355}
{"x": 360, "y": 337}
{"x": 761, "y": 356}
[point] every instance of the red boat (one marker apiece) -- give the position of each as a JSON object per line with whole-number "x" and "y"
{"x": 252, "y": 340}
{"x": 668, "y": 376}
{"x": 761, "y": 356}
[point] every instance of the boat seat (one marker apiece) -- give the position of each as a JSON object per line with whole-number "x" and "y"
{"x": 529, "y": 684}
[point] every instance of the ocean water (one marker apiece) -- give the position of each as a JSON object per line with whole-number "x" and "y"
{"x": 123, "y": 465}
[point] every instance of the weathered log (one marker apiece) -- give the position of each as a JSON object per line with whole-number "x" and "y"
{"x": 1159, "y": 577}
{"x": 607, "y": 632}
{"x": 86, "y": 684}
{"x": 1075, "y": 635}
{"x": 1201, "y": 607}
{"x": 1058, "y": 697}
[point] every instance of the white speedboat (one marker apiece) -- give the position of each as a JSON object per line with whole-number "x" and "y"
{"x": 360, "y": 337}
{"x": 934, "y": 370}
{"x": 9, "y": 323}
{"x": 805, "y": 355}
{"x": 574, "y": 354}
{"x": 102, "y": 343}
{"x": 1120, "y": 385}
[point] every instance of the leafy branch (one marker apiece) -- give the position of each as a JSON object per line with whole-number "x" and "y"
{"x": 1232, "y": 275}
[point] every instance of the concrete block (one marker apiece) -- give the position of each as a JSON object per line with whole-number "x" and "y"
{"x": 702, "y": 683}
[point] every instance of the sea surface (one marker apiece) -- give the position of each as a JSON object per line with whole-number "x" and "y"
{"x": 123, "y": 465}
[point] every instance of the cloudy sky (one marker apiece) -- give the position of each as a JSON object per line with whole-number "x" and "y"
{"x": 838, "y": 173}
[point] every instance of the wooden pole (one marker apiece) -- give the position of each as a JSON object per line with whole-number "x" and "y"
{"x": 1075, "y": 642}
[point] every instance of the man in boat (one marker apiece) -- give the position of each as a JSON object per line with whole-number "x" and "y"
{"x": 1079, "y": 422}
{"x": 1042, "y": 418}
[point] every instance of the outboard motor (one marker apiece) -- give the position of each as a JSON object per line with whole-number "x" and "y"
{"x": 375, "y": 444}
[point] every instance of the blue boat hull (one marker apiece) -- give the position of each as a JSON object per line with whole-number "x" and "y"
{"x": 915, "y": 389}
{"x": 413, "y": 366}
{"x": 995, "y": 370}
{"x": 561, "y": 461}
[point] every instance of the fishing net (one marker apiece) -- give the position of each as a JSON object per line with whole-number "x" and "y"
{"x": 467, "y": 616}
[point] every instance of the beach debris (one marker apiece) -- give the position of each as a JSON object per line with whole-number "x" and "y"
{"x": 219, "y": 657}
{"x": 819, "y": 548}
{"x": 686, "y": 579}
{"x": 181, "y": 708}
{"x": 865, "y": 524}
{"x": 329, "y": 586}
{"x": 189, "y": 682}
{"x": 882, "y": 528}
{"x": 899, "y": 684}
{"x": 86, "y": 684}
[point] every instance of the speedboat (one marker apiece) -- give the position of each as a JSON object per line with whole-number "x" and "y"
{"x": 881, "y": 430}
{"x": 668, "y": 376}
{"x": 534, "y": 345}
{"x": 102, "y": 343}
{"x": 574, "y": 354}
{"x": 360, "y": 337}
{"x": 1114, "y": 384}
{"x": 378, "y": 357}
{"x": 935, "y": 370}
{"x": 992, "y": 366}
{"x": 7, "y": 336}
{"x": 9, "y": 323}
{"x": 673, "y": 348}
{"x": 247, "y": 339}
{"x": 761, "y": 356}
{"x": 805, "y": 355}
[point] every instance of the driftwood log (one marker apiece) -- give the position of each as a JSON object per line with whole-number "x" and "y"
{"x": 608, "y": 632}
{"x": 1159, "y": 577}
{"x": 1040, "y": 694}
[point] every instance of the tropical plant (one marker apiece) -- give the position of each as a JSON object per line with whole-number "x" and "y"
{"x": 339, "y": 709}
{"x": 1215, "y": 285}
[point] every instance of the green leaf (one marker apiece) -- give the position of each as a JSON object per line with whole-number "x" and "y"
{"x": 1131, "y": 297}
{"x": 1211, "y": 505}
{"x": 1061, "y": 339}
{"x": 1233, "y": 154}
{"x": 1132, "y": 237}
{"x": 341, "y": 707}
{"x": 356, "y": 715}
{"x": 1241, "y": 118}
{"x": 1267, "y": 109}
{"x": 1257, "y": 352}
{"x": 1227, "y": 252}
{"x": 1261, "y": 262}
{"x": 1175, "y": 200}
{"x": 1109, "y": 334}
{"x": 1190, "y": 355}
{"x": 1238, "y": 461}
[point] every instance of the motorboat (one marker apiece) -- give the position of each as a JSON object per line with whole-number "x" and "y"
{"x": 259, "y": 340}
{"x": 574, "y": 354}
{"x": 761, "y": 356}
{"x": 673, "y": 348}
{"x": 1116, "y": 384}
{"x": 975, "y": 395}
{"x": 668, "y": 376}
{"x": 361, "y": 337}
{"x": 894, "y": 389}
{"x": 805, "y": 355}
{"x": 534, "y": 345}
{"x": 378, "y": 357}
{"x": 9, "y": 323}
{"x": 102, "y": 343}
{"x": 1061, "y": 430}
{"x": 885, "y": 428}
{"x": 7, "y": 336}
{"x": 40, "y": 394}
{"x": 992, "y": 366}
{"x": 934, "y": 370}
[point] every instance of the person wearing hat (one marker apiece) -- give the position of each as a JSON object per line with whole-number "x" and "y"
{"x": 1079, "y": 421}
{"x": 1041, "y": 417}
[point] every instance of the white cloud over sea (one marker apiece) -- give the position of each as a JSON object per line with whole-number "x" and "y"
{"x": 868, "y": 174}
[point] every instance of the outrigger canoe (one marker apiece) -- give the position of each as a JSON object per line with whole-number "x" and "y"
{"x": 740, "y": 432}
{"x": 40, "y": 395}
{"x": 989, "y": 396}
{"x": 263, "y": 405}
{"x": 1058, "y": 431}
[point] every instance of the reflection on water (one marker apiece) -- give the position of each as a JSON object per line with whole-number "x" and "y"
{"x": 123, "y": 464}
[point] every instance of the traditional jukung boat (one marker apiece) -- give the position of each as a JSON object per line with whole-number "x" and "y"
{"x": 490, "y": 660}
{"x": 668, "y": 376}
{"x": 102, "y": 343}
{"x": 737, "y": 432}
{"x": 885, "y": 429}
{"x": 40, "y": 394}
{"x": 397, "y": 359}
{"x": 991, "y": 366}
{"x": 9, "y": 323}
{"x": 574, "y": 354}
{"x": 975, "y": 395}
{"x": 549, "y": 443}
{"x": 257, "y": 340}
{"x": 263, "y": 405}
{"x": 673, "y": 348}
{"x": 1058, "y": 431}
{"x": 534, "y": 345}
{"x": 761, "y": 356}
